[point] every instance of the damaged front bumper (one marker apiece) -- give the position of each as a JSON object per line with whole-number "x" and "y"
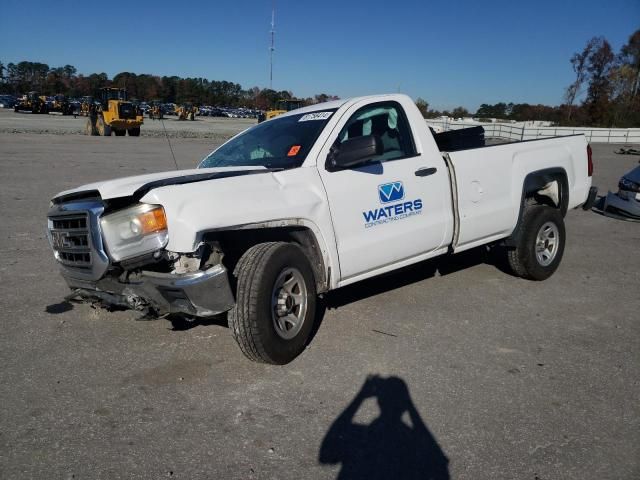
{"x": 623, "y": 203}
{"x": 75, "y": 234}
{"x": 203, "y": 293}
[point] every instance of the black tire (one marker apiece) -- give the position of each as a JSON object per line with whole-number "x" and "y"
{"x": 253, "y": 319}
{"x": 102, "y": 128}
{"x": 524, "y": 260}
{"x": 120, "y": 133}
{"x": 134, "y": 132}
{"x": 90, "y": 128}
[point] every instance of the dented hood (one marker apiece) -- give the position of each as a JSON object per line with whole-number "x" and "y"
{"x": 140, "y": 185}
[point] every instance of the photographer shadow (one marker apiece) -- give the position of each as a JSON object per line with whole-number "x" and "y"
{"x": 389, "y": 447}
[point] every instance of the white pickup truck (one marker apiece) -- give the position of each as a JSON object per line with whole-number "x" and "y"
{"x": 308, "y": 202}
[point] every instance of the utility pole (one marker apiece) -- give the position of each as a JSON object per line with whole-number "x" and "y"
{"x": 272, "y": 47}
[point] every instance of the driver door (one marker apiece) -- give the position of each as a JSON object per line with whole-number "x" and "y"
{"x": 389, "y": 209}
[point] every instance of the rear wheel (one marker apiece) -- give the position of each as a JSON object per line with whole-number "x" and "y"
{"x": 120, "y": 133}
{"x": 275, "y": 303}
{"x": 540, "y": 241}
{"x": 134, "y": 132}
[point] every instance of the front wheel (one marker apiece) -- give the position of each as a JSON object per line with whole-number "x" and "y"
{"x": 134, "y": 132}
{"x": 90, "y": 127}
{"x": 540, "y": 243}
{"x": 104, "y": 129}
{"x": 275, "y": 303}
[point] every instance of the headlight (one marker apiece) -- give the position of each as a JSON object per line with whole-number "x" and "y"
{"x": 626, "y": 184}
{"x": 135, "y": 231}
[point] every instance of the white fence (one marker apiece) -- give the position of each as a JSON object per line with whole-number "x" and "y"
{"x": 517, "y": 132}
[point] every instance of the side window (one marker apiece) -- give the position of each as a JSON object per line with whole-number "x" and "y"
{"x": 385, "y": 120}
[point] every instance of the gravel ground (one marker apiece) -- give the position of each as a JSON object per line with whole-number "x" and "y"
{"x": 217, "y": 128}
{"x": 479, "y": 375}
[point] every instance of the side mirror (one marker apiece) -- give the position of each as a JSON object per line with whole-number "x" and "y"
{"x": 355, "y": 151}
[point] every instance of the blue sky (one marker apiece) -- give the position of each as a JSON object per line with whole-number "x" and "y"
{"x": 450, "y": 53}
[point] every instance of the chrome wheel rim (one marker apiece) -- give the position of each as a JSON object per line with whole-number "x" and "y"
{"x": 547, "y": 243}
{"x": 289, "y": 303}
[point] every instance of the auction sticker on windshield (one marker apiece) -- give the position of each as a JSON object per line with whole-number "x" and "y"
{"x": 315, "y": 116}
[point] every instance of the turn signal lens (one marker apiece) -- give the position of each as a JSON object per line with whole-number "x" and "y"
{"x": 153, "y": 221}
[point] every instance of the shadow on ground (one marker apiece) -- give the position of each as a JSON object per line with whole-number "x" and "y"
{"x": 397, "y": 444}
{"x": 444, "y": 265}
{"x": 57, "y": 308}
{"x": 336, "y": 299}
{"x": 180, "y": 323}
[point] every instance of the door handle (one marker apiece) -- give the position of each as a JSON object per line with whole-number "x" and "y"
{"x": 425, "y": 171}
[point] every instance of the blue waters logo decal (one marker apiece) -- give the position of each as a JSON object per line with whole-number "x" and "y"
{"x": 391, "y": 192}
{"x": 389, "y": 213}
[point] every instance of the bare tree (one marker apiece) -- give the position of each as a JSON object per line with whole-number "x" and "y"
{"x": 579, "y": 64}
{"x": 625, "y": 83}
{"x": 630, "y": 55}
{"x": 423, "y": 106}
{"x": 599, "y": 65}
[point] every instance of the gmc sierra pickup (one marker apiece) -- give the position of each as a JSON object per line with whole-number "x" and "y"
{"x": 311, "y": 201}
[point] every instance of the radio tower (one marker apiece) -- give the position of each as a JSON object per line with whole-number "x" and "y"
{"x": 272, "y": 47}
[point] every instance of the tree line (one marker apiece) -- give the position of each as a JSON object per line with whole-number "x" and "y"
{"x": 22, "y": 77}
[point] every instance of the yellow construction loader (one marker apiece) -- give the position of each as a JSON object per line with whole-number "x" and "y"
{"x": 85, "y": 106}
{"x": 282, "y": 106}
{"x": 114, "y": 114}
{"x": 186, "y": 111}
{"x": 60, "y": 105}
{"x": 31, "y": 102}
{"x": 155, "y": 111}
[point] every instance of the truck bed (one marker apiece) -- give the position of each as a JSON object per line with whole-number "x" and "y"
{"x": 487, "y": 183}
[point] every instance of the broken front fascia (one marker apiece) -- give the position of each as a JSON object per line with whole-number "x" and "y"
{"x": 190, "y": 284}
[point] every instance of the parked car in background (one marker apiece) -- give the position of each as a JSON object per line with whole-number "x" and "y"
{"x": 144, "y": 107}
{"x": 7, "y": 101}
{"x": 626, "y": 201}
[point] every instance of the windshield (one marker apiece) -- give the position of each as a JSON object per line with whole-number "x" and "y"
{"x": 283, "y": 142}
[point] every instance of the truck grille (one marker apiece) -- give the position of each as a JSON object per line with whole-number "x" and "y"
{"x": 71, "y": 241}
{"x": 76, "y": 238}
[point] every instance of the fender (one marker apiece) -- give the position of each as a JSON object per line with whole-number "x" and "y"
{"x": 534, "y": 182}
{"x": 326, "y": 266}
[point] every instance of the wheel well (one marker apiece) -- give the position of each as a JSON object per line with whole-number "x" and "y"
{"x": 235, "y": 242}
{"x": 544, "y": 187}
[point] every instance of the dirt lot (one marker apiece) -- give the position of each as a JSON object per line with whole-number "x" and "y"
{"x": 216, "y": 128}
{"x": 506, "y": 378}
